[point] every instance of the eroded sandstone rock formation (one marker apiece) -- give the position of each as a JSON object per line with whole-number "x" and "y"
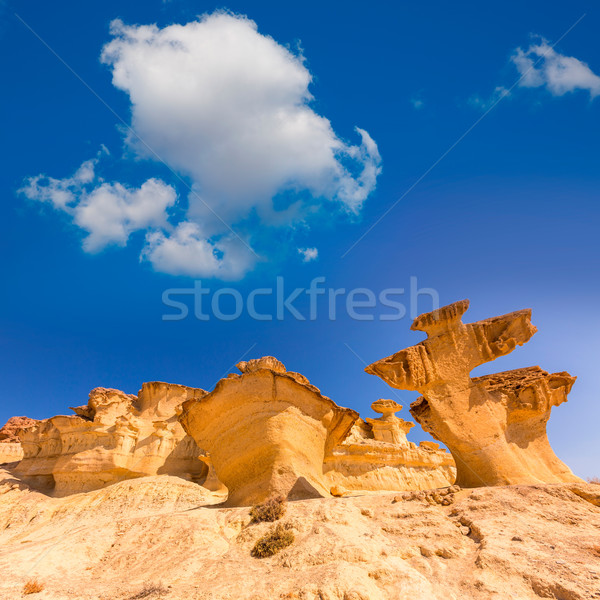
{"x": 495, "y": 426}
{"x": 115, "y": 436}
{"x": 10, "y": 446}
{"x": 267, "y": 431}
{"x": 376, "y": 456}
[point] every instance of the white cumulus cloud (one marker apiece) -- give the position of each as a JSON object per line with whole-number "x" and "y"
{"x": 108, "y": 212}
{"x": 187, "y": 251}
{"x": 228, "y": 110}
{"x": 540, "y": 65}
{"x": 112, "y": 211}
{"x": 308, "y": 254}
{"x": 230, "y": 107}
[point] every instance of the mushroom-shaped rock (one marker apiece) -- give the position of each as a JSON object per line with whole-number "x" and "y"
{"x": 367, "y": 461}
{"x": 494, "y": 426}
{"x": 267, "y": 433}
{"x": 389, "y": 428}
{"x": 386, "y": 408}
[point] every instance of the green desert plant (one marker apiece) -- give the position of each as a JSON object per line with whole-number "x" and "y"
{"x": 277, "y": 539}
{"x": 270, "y": 510}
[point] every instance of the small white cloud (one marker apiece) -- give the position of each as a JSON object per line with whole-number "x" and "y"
{"x": 486, "y": 103}
{"x": 108, "y": 212}
{"x": 187, "y": 251}
{"x": 308, "y": 254}
{"x": 111, "y": 212}
{"x": 61, "y": 193}
{"x": 417, "y": 102}
{"x": 540, "y": 65}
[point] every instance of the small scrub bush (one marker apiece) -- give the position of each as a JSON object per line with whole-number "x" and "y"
{"x": 595, "y": 480}
{"x": 277, "y": 539}
{"x": 33, "y": 586}
{"x": 270, "y": 510}
{"x": 150, "y": 590}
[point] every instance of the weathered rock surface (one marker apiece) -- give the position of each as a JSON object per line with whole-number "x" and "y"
{"x": 10, "y": 446}
{"x": 267, "y": 432}
{"x": 495, "y": 426}
{"x": 517, "y": 542}
{"x": 377, "y": 456}
{"x": 116, "y": 436}
{"x": 10, "y": 452}
{"x": 8, "y": 433}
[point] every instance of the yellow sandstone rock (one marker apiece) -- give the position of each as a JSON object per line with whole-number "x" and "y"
{"x": 140, "y": 536}
{"x": 376, "y": 456}
{"x": 494, "y": 426}
{"x": 10, "y": 446}
{"x": 267, "y": 432}
{"x": 116, "y": 436}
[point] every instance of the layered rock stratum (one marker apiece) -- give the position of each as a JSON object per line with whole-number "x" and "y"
{"x": 10, "y": 445}
{"x": 165, "y": 534}
{"x": 116, "y": 436}
{"x": 261, "y": 433}
{"x": 377, "y": 456}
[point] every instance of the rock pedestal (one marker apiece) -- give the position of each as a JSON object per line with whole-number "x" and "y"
{"x": 267, "y": 432}
{"x": 494, "y": 426}
{"x": 377, "y": 456}
{"x": 389, "y": 428}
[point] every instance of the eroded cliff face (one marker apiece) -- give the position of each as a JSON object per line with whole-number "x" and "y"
{"x": 10, "y": 446}
{"x": 377, "y": 456}
{"x": 115, "y": 436}
{"x": 267, "y": 432}
{"x": 495, "y": 426}
{"x": 264, "y": 432}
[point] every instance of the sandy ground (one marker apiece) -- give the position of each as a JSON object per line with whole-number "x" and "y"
{"x": 510, "y": 543}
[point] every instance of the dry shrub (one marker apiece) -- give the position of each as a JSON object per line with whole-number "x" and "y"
{"x": 595, "y": 480}
{"x": 149, "y": 590}
{"x": 277, "y": 539}
{"x": 33, "y": 586}
{"x": 270, "y": 510}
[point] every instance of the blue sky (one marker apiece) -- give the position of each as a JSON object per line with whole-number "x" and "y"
{"x": 259, "y": 123}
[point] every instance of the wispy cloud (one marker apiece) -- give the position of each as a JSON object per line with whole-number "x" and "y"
{"x": 417, "y": 102}
{"x": 485, "y": 103}
{"x": 541, "y": 65}
{"x": 230, "y": 110}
